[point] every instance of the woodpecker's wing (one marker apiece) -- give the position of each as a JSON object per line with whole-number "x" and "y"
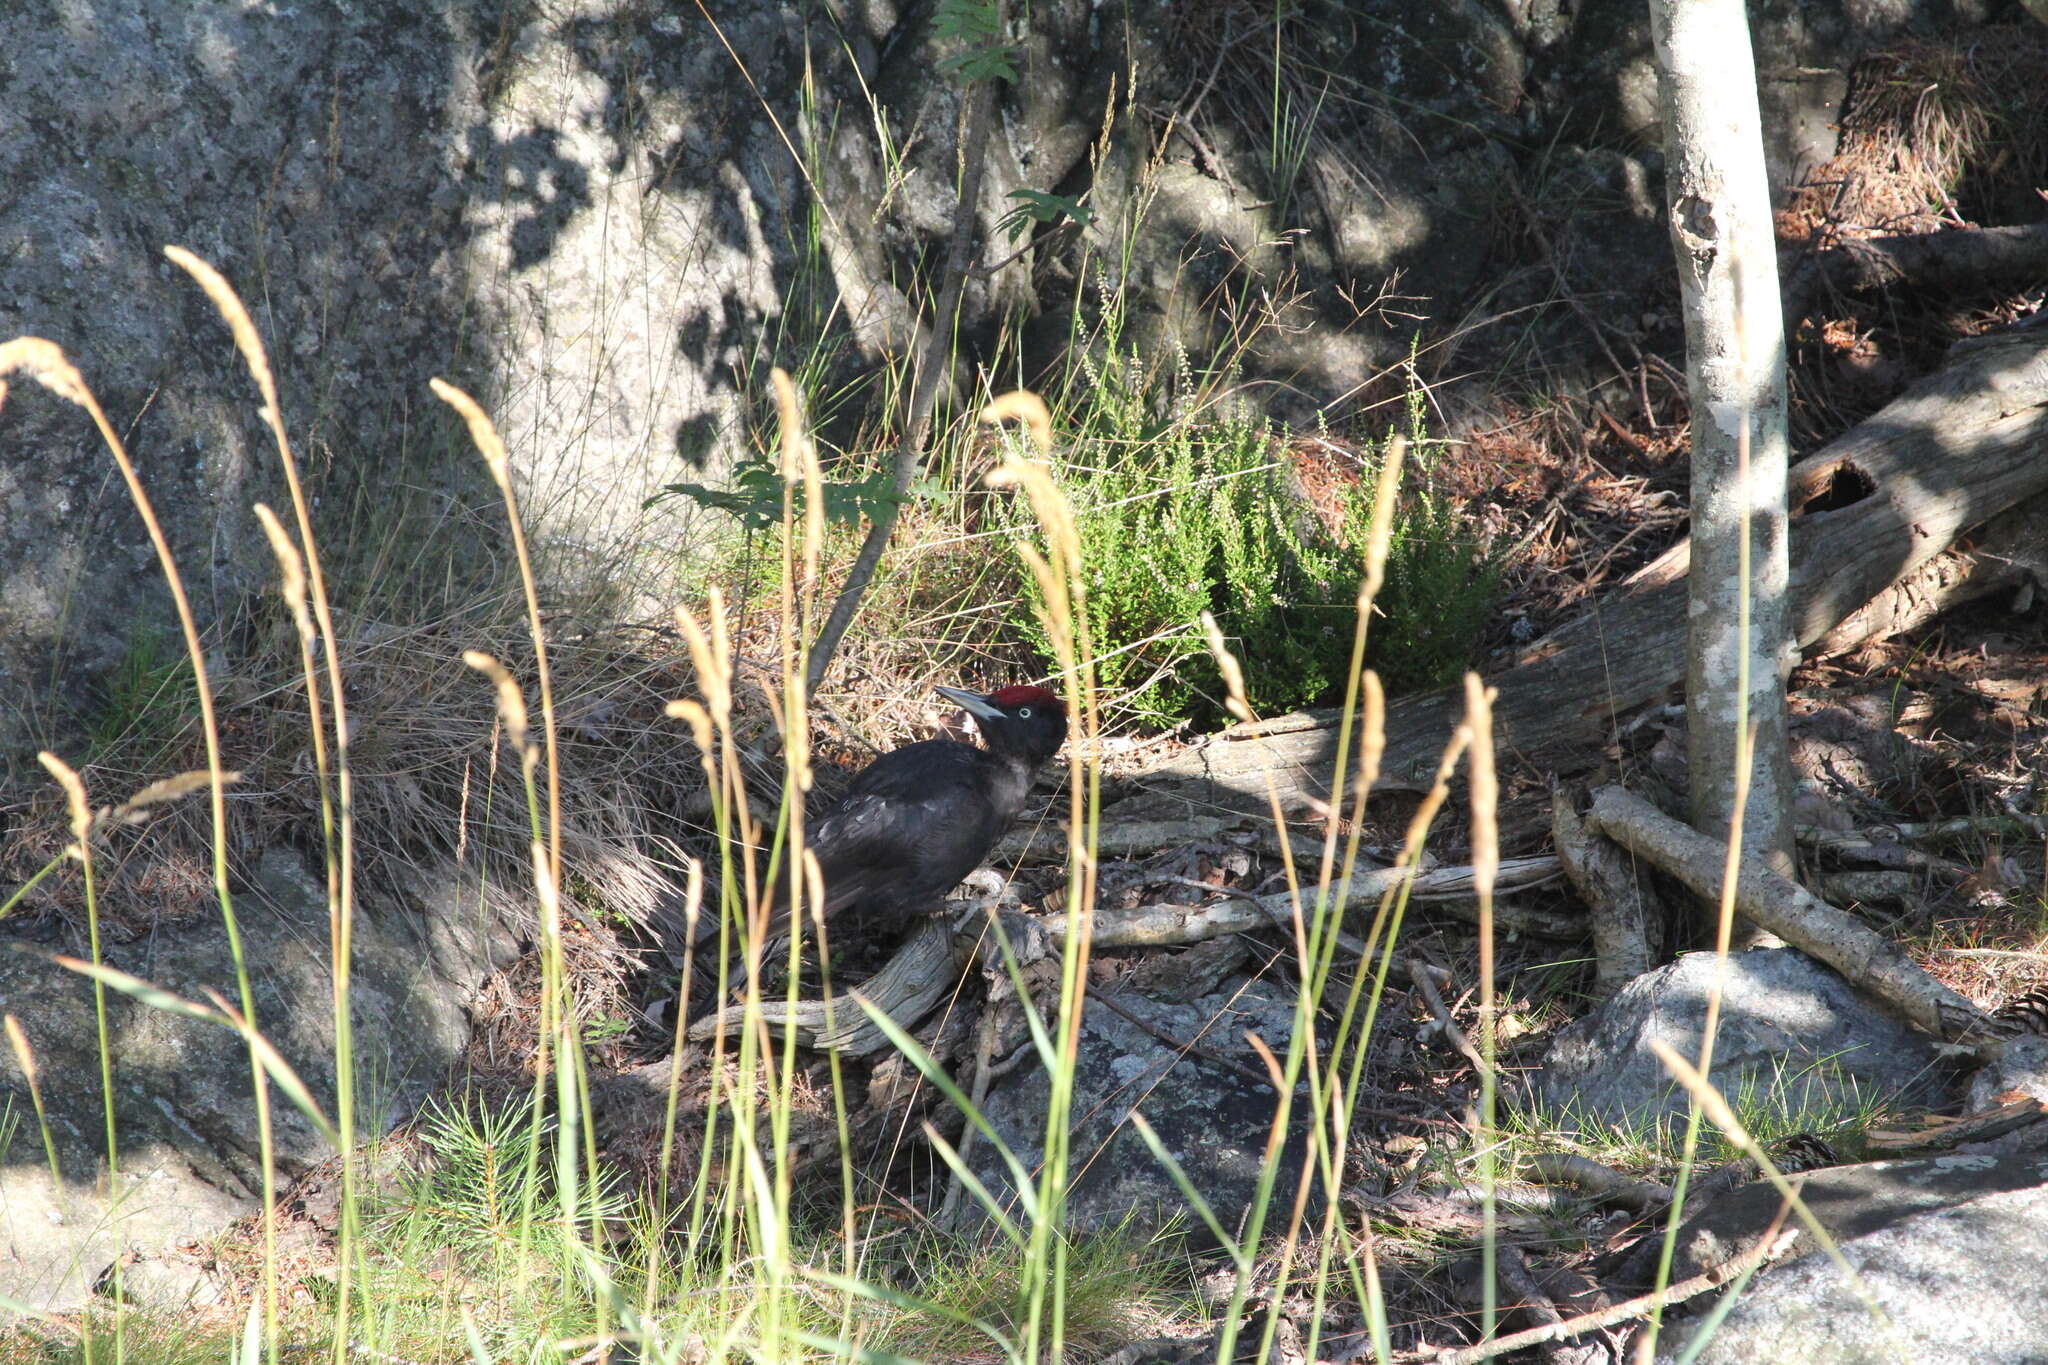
{"x": 913, "y": 823}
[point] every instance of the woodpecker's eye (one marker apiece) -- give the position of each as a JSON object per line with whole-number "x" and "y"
{"x": 1024, "y": 713}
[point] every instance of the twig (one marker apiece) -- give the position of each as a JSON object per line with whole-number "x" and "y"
{"x": 1419, "y": 977}
{"x": 925, "y": 387}
{"x": 1766, "y": 1247}
{"x": 1920, "y": 830}
{"x": 984, "y": 1055}
{"x": 2028, "y": 954}
{"x": 1565, "y": 1168}
{"x": 1513, "y": 1269}
{"x": 1181, "y": 1045}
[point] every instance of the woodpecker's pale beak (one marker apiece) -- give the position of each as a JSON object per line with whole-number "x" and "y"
{"x": 972, "y": 703}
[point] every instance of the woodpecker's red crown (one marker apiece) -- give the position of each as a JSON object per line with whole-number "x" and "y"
{"x": 1010, "y": 698}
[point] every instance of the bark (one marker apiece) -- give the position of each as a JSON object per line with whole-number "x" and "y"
{"x": 923, "y": 972}
{"x": 1738, "y": 650}
{"x": 1956, "y": 449}
{"x": 2008, "y": 553}
{"x": 1159, "y": 925}
{"x": 2020, "y": 1113}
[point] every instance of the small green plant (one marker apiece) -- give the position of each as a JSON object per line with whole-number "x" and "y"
{"x": 754, "y": 497}
{"x": 1184, "y": 504}
{"x": 1820, "y": 1097}
{"x": 1441, "y": 580}
{"x": 149, "y": 700}
{"x": 978, "y": 26}
{"x": 1043, "y": 209}
{"x": 479, "y": 1198}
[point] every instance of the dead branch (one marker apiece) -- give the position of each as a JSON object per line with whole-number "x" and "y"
{"x": 1602, "y": 1182}
{"x": 1767, "y": 1247}
{"x": 1947, "y": 1135}
{"x": 1929, "y": 831}
{"x": 1165, "y": 924}
{"x": 1425, "y": 986}
{"x": 1512, "y": 1267}
{"x": 1868, "y": 888}
{"x": 1857, "y": 846}
{"x": 1873, "y": 963}
{"x": 1116, "y": 838}
{"x": 921, "y": 973}
{"x": 1614, "y": 889}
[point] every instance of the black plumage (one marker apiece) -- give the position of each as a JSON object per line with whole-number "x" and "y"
{"x": 918, "y": 819}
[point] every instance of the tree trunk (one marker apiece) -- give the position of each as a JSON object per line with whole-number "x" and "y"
{"x": 1738, "y": 649}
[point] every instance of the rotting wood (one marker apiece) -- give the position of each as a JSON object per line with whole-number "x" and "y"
{"x": 1870, "y": 962}
{"x": 1116, "y": 838}
{"x": 1871, "y": 850}
{"x": 1946, "y": 1135}
{"x": 1955, "y": 450}
{"x": 1617, "y": 895}
{"x": 1931, "y": 831}
{"x": 2008, "y": 553}
{"x": 1862, "y": 887}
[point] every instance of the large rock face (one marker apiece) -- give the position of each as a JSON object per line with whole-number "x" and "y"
{"x": 608, "y": 220}
{"x": 183, "y": 1095}
{"x": 1961, "y": 1283}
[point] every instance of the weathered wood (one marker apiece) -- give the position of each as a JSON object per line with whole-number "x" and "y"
{"x": 1953, "y": 451}
{"x": 1151, "y": 926}
{"x": 2007, "y": 554}
{"x": 1870, "y": 962}
{"x": 1624, "y": 910}
{"x": 923, "y": 971}
{"x": 1947, "y": 1135}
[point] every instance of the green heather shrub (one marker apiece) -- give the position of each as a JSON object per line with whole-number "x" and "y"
{"x": 1182, "y": 506}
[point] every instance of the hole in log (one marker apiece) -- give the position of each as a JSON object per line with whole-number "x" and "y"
{"x": 1845, "y": 486}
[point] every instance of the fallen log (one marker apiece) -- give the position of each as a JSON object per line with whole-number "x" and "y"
{"x": 1962, "y": 258}
{"x": 925, "y": 970}
{"x": 2007, "y": 554}
{"x": 1955, "y": 450}
{"x": 1625, "y": 910}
